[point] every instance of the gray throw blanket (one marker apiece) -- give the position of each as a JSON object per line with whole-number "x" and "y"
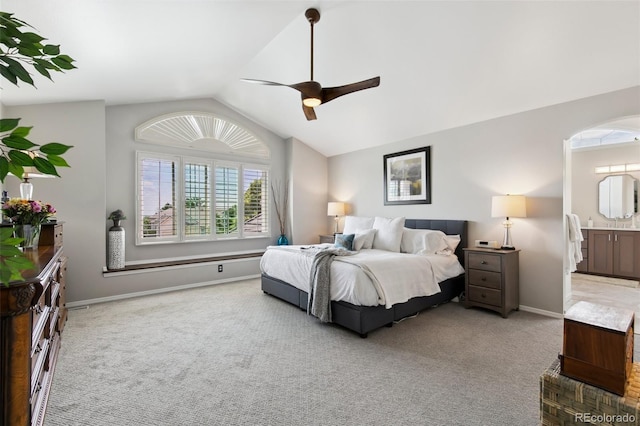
{"x": 319, "y": 304}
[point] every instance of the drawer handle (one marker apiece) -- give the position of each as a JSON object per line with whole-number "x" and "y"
{"x": 38, "y": 309}
{"x": 483, "y": 295}
{"x": 38, "y": 348}
{"x": 483, "y": 262}
{"x": 483, "y": 279}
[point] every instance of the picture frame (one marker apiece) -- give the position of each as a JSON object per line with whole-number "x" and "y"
{"x": 407, "y": 177}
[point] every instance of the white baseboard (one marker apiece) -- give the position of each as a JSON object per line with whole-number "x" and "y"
{"x": 541, "y": 312}
{"x": 81, "y": 303}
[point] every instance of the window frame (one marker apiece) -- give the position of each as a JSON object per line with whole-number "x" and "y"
{"x": 180, "y": 199}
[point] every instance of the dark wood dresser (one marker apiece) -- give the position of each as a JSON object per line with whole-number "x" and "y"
{"x": 492, "y": 280}
{"x": 32, "y": 317}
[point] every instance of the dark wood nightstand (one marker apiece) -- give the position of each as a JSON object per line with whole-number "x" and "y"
{"x": 492, "y": 280}
{"x": 327, "y": 238}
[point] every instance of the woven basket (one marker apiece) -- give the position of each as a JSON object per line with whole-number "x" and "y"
{"x": 565, "y": 401}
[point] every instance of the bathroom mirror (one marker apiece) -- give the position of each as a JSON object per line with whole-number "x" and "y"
{"x": 618, "y": 196}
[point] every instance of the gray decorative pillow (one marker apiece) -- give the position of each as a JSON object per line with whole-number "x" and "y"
{"x": 364, "y": 239}
{"x": 344, "y": 241}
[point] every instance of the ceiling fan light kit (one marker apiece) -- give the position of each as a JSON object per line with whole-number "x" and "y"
{"x": 313, "y": 94}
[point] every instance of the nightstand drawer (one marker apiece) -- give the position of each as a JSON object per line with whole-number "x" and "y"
{"x": 482, "y": 278}
{"x": 485, "y": 295}
{"x": 484, "y": 261}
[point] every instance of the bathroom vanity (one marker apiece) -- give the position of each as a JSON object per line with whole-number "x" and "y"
{"x": 612, "y": 252}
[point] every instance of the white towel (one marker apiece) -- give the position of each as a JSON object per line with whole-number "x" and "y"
{"x": 574, "y": 245}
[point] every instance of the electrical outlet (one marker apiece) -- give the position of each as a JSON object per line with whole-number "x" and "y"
{"x": 219, "y": 268}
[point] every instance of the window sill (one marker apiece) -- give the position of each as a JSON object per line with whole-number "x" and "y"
{"x": 179, "y": 263}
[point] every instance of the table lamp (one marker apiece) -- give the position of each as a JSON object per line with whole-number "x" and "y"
{"x": 508, "y": 206}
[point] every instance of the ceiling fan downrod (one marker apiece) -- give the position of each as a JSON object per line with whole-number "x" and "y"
{"x": 313, "y": 16}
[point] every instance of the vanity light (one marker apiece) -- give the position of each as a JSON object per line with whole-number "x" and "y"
{"x": 618, "y": 168}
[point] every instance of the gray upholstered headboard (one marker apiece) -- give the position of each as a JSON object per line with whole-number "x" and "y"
{"x": 449, "y": 227}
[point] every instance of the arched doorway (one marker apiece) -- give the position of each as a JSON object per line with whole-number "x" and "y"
{"x": 608, "y": 149}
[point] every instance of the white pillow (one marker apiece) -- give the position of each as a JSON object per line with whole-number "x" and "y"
{"x": 452, "y": 241}
{"x": 364, "y": 239}
{"x": 389, "y": 233}
{"x": 422, "y": 241}
{"x": 353, "y": 223}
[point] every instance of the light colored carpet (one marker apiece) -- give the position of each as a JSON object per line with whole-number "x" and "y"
{"x": 231, "y": 355}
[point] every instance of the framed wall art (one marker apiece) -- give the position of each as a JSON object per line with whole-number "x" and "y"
{"x": 407, "y": 177}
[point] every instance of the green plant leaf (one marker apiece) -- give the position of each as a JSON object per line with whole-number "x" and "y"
{"x": 15, "y": 169}
{"x": 57, "y": 161}
{"x": 62, "y": 62}
{"x": 4, "y": 168}
{"x": 55, "y": 148}
{"x": 20, "y": 158}
{"x": 28, "y": 50}
{"x": 5, "y": 233}
{"x": 21, "y": 131}
{"x": 32, "y": 37}
{"x": 17, "y": 142}
{"x": 6, "y": 73}
{"x": 43, "y": 165}
{"x": 51, "y": 49}
{"x": 7, "y": 124}
{"x": 18, "y": 70}
{"x": 46, "y": 64}
{"x": 9, "y": 250}
{"x": 42, "y": 71}
{"x": 19, "y": 263}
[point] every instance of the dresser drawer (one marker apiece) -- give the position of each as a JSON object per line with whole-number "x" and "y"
{"x": 485, "y": 295}
{"x": 484, "y": 261}
{"x": 39, "y": 353}
{"x": 38, "y": 360}
{"x": 482, "y": 278}
{"x": 39, "y": 319}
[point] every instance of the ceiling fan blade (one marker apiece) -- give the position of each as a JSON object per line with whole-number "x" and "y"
{"x": 268, "y": 83}
{"x": 309, "y": 113}
{"x": 330, "y": 93}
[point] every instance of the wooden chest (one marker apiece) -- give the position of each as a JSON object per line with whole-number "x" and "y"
{"x": 598, "y": 345}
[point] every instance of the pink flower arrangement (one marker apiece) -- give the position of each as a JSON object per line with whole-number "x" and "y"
{"x": 23, "y": 212}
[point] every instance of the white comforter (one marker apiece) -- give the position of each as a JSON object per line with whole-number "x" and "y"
{"x": 367, "y": 278}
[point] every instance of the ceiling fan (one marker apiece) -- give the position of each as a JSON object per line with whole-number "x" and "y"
{"x": 313, "y": 94}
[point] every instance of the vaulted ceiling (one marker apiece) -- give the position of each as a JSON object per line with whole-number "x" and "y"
{"x": 442, "y": 64}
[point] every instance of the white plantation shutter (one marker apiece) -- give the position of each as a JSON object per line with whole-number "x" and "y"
{"x": 226, "y": 200}
{"x": 197, "y": 198}
{"x": 157, "y": 215}
{"x": 183, "y": 199}
{"x": 256, "y": 197}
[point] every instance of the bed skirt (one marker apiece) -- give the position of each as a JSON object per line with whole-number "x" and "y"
{"x": 363, "y": 319}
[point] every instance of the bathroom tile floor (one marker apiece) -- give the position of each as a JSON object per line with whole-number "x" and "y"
{"x": 623, "y": 294}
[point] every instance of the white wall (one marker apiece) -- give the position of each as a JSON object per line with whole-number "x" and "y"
{"x": 79, "y": 196}
{"x": 308, "y": 174}
{"x": 585, "y": 181}
{"x": 517, "y": 154}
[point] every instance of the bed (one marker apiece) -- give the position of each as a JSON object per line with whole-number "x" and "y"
{"x": 363, "y": 319}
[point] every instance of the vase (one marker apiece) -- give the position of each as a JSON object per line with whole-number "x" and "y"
{"x": 115, "y": 253}
{"x": 30, "y": 235}
{"x": 282, "y": 240}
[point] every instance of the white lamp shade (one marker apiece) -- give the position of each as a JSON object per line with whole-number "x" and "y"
{"x": 335, "y": 209}
{"x": 508, "y": 206}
